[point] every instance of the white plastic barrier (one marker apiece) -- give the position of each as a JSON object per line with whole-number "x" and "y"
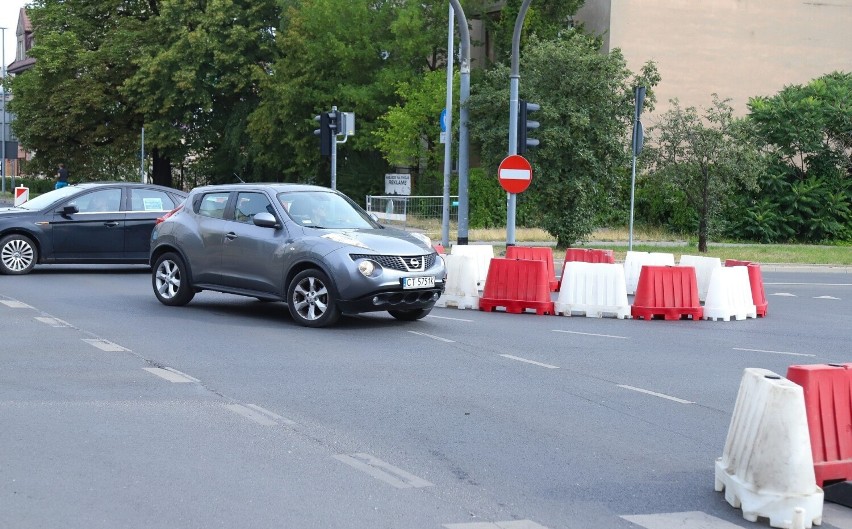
{"x": 594, "y": 289}
{"x": 482, "y": 254}
{"x": 704, "y": 267}
{"x": 634, "y": 261}
{"x": 461, "y": 290}
{"x": 729, "y": 295}
{"x": 767, "y": 467}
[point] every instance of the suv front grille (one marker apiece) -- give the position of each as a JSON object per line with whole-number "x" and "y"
{"x": 407, "y": 263}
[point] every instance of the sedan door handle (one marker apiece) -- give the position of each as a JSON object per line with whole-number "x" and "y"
{"x": 230, "y": 236}
{"x": 111, "y": 224}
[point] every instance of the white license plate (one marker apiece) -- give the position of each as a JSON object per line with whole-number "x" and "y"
{"x": 418, "y": 282}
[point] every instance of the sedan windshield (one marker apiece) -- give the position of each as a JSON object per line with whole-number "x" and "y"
{"x": 42, "y": 201}
{"x": 321, "y": 209}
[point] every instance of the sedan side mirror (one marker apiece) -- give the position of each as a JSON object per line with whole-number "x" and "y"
{"x": 70, "y": 210}
{"x": 265, "y": 220}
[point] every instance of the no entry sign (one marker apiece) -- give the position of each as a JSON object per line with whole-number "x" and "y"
{"x": 515, "y": 174}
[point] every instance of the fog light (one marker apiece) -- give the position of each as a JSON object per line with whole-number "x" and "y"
{"x": 375, "y": 300}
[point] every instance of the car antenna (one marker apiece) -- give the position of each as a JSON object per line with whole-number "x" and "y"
{"x": 238, "y": 178}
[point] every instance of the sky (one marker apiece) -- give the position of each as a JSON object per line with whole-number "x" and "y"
{"x": 9, "y": 19}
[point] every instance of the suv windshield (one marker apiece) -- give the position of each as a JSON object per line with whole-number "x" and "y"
{"x": 321, "y": 209}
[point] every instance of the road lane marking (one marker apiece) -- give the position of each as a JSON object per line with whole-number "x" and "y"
{"x": 271, "y": 414}
{"x": 105, "y": 345}
{"x": 251, "y": 415}
{"x": 825, "y": 297}
{"x": 519, "y": 359}
{"x": 12, "y": 304}
{"x": 446, "y": 318}
{"x": 655, "y": 394}
{"x": 809, "y": 284}
{"x": 773, "y": 352}
{"x": 685, "y": 520}
{"x": 511, "y": 524}
{"x": 784, "y": 294}
{"x": 383, "y": 471}
{"x": 432, "y": 337}
{"x": 53, "y": 322}
{"x": 593, "y": 334}
{"x": 170, "y": 375}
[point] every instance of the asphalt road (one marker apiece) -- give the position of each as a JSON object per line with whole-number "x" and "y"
{"x": 120, "y": 412}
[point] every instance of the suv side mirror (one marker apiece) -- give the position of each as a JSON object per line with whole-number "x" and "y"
{"x": 265, "y": 220}
{"x": 70, "y": 210}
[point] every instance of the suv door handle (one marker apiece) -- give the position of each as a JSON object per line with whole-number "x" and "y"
{"x": 230, "y": 236}
{"x": 111, "y": 224}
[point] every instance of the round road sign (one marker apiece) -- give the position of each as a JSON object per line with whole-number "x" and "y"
{"x": 515, "y": 173}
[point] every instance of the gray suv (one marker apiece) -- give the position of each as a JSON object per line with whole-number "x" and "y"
{"x": 307, "y": 245}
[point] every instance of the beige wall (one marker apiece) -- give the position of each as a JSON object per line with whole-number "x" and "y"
{"x": 736, "y": 48}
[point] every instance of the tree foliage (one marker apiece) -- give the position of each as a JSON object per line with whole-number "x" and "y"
{"x": 586, "y": 109}
{"x": 704, "y": 156}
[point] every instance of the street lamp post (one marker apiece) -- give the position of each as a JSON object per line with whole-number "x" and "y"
{"x": 3, "y": 113}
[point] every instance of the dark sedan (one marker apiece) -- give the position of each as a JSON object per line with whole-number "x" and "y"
{"x": 93, "y": 223}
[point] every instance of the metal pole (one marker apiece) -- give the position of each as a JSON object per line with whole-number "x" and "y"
{"x": 142, "y": 159}
{"x": 3, "y": 139}
{"x": 514, "y": 81}
{"x": 448, "y": 145}
{"x": 632, "y": 187}
{"x": 334, "y": 153}
{"x": 464, "y": 163}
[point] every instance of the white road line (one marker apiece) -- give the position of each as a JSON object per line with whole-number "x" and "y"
{"x": 825, "y": 297}
{"x": 271, "y": 414}
{"x": 446, "y": 318}
{"x": 251, "y": 415}
{"x": 784, "y": 294}
{"x": 519, "y": 359}
{"x": 511, "y": 524}
{"x": 432, "y": 336}
{"x": 680, "y": 520}
{"x": 593, "y": 334}
{"x": 807, "y": 284}
{"x": 105, "y": 345}
{"x": 773, "y": 352}
{"x": 383, "y": 471}
{"x": 53, "y": 322}
{"x": 655, "y": 394}
{"x": 15, "y": 304}
{"x": 171, "y": 376}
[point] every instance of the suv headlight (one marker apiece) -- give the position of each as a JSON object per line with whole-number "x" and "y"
{"x": 369, "y": 268}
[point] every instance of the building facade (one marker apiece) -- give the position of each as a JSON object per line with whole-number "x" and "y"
{"x": 735, "y": 48}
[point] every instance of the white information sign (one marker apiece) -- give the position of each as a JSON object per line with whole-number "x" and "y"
{"x": 398, "y": 184}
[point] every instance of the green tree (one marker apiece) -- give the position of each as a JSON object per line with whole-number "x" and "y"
{"x": 586, "y": 111}
{"x": 69, "y": 106}
{"x": 704, "y": 156}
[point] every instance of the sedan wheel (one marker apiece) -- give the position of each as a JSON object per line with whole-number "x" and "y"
{"x": 410, "y": 315}
{"x": 18, "y": 255}
{"x": 311, "y": 300}
{"x": 170, "y": 281}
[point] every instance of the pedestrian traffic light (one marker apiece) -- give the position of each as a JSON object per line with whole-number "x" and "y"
{"x": 524, "y": 108}
{"x": 327, "y": 130}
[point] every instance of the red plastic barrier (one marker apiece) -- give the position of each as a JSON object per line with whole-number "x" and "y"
{"x": 517, "y": 285}
{"x": 670, "y": 292}
{"x": 755, "y": 279}
{"x": 585, "y": 255}
{"x": 536, "y": 253}
{"x": 828, "y": 402}
{"x": 589, "y": 255}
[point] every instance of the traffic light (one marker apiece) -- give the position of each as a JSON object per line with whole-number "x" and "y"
{"x": 524, "y": 108}
{"x": 327, "y": 131}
